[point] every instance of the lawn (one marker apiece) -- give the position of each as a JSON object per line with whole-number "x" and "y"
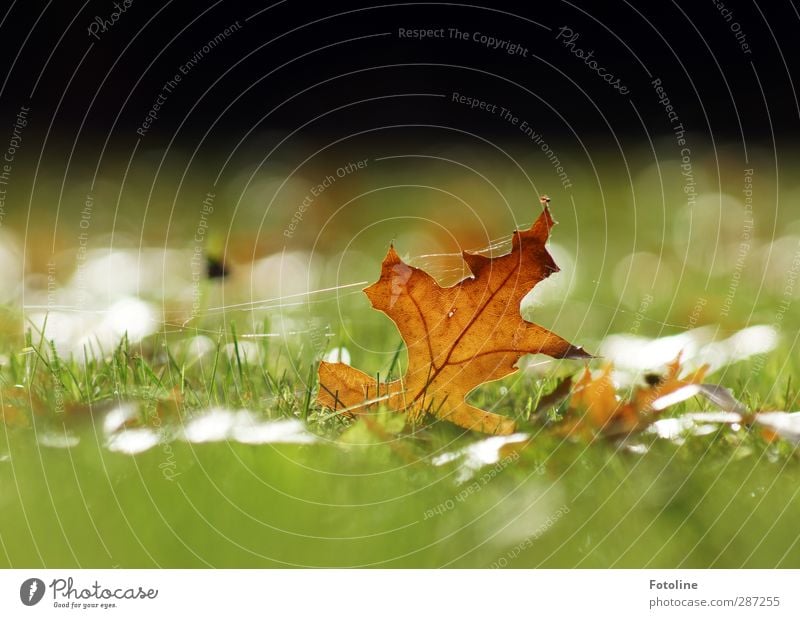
{"x": 198, "y": 442}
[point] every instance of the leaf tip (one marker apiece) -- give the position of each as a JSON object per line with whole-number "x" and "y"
{"x": 475, "y": 261}
{"x": 391, "y": 256}
{"x": 544, "y": 222}
{"x": 578, "y": 353}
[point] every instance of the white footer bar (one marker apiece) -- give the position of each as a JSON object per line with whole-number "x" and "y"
{"x": 401, "y": 593}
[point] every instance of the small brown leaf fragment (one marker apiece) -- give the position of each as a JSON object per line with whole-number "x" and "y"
{"x": 595, "y": 409}
{"x": 770, "y": 435}
{"x": 596, "y": 397}
{"x": 458, "y": 337}
{"x": 643, "y": 397}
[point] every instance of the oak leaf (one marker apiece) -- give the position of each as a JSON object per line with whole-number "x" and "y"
{"x": 595, "y": 410}
{"x": 458, "y": 337}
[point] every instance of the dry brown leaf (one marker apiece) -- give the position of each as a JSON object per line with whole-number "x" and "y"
{"x": 458, "y": 337}
{"x": 594, "y": 407}
{"x": 643, "y": 397}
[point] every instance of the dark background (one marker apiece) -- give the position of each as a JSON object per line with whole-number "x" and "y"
{"x": 301, "y": 88}
{"x": 97, "y": 90}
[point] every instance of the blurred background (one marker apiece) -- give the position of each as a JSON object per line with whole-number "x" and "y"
{"x": 178, "y": 172}
{"x": 174, "y": 166}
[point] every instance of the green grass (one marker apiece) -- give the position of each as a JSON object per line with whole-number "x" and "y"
{"x": 241, "y": 506}
{"x": 728, "y": 499}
